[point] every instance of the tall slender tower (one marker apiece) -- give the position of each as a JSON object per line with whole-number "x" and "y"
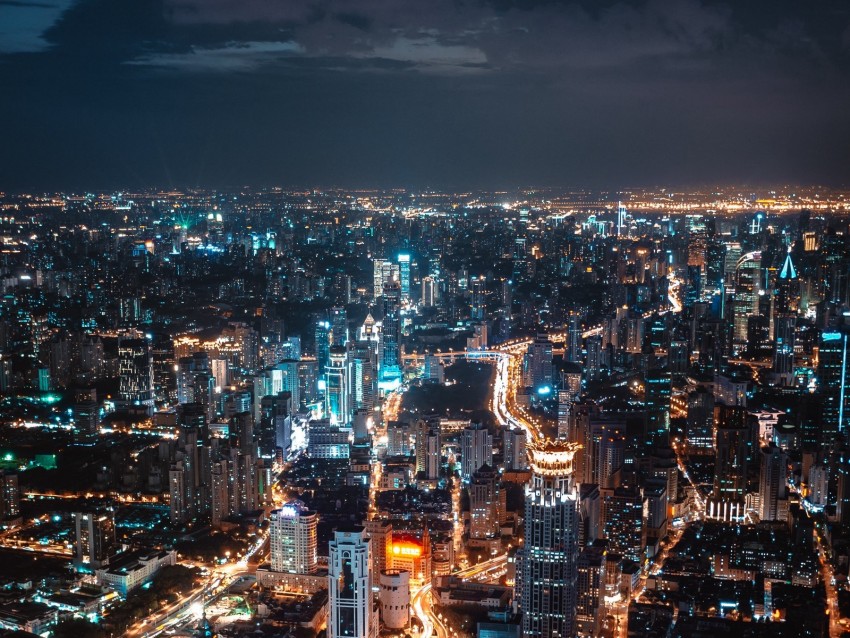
{"x": 548, "y": 560}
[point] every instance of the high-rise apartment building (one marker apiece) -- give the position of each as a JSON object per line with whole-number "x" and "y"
{"x": 292, "y": 539}
{"x": 476, "y": 449}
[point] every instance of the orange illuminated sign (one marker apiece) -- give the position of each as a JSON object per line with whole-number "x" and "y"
{"x": 407, "y": 549}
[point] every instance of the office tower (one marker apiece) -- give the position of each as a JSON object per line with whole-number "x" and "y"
{"x": 363, "y": 382}
{"x": 484, "y": 504}
{"x": 516, "y": 456}
{"x": 772, "y": 483}
{"x": 634, "y": 327}
{"x": 663, "y": 466}
{"x": 699, "y": 432}
{"x": 538, "y": 363}
{"x": 547, "y": 573}
{"x": 833, "y": 376}
{"x": 623, "y": 522}
{"x": 336, "y": 387}
{"x": 604, "y": 452}
{"x": 384, "y": 272}
{"x": 433, "y": 371}
{"x": 87, "y": 414}
{"x": 404, "y": 275}
{"x": 390, "y": 365}
{"x": 135, "y": 369}
{"x": 275, "y": 424}
{"x": 590, "y": 587}
{"x": 292, "y": 539}
{"x": 350, "y": 610}
{"x": 220, "y": 501}
{"x": 360, "y": 427}
{"x": 95, "y": 539}
{"x": 478, "y": 298}
{"x": 655, "y": 511}
{"x": 818, "y": 485}
{"x": 178, "y": 507}
{"x": 785, "y": 328}
{"x": 476, "y": 449}
{"x": 339, "y": 327}
{"x": 747, "y": 287}
{"x": 658, "y": 390}
{"x": 10, "y": 496}
{"x": 429, "y": 291}
{"x": 715, "y": 255}
{"x": 395, "y": 598}
{"x": 730, "y": 468}
{"x": 283, "y": 377}
{"x": 398, "y": 439}
{"x": 380, "y": 534}
{"x": 323, "y": 346}
{"x": 430, "y": 454}
{"x": 841, "y": 469}
{"x": 576, "y": 429}
{"x": 245, "y": 497}
{"x": 572, "y": 347}
{"x": 788, "y": 288}
{"x": 593, "y": 363}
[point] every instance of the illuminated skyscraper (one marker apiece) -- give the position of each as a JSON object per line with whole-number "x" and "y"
{"x": 547, "y": 573}
{"x": 390, "y": 368}
{"x": 339, "y": 327}
{"x": 730, "y": 468}
{"x": 476, "y": 449}
{"x": 336, "y": 389}
{"x": 832, "y": 383}
{"x": 351, "y": 611}
{"x": 135, "y": 367}
{"x": 658, "y": 390}
{"x": 404, "y": 275}
{"x": 516, "y": 456}
{"x": 772, "y": 483}
{"x": 95, "y": 538}
{"x": 293, "y": 539}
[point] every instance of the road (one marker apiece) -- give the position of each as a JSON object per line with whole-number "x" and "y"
{"x": 422, "y": 602}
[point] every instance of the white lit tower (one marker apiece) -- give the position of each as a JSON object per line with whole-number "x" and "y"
{"x": 547, "y": 574}
{"x": 351, "y": 611}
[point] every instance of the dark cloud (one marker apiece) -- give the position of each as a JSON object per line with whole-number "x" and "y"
{"x": 454, "y": 92}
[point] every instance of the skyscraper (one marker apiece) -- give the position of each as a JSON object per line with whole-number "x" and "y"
{"x": 135, "y": 367}
{"x": 337, "y": 387}
{"x": 658, "y": 390}
{"x": 95, "y": 538}
{"x": 404, "y": 275}
{"x": 484, "y": 504}
{"x": 293, "y": 539}
{"x": 772, "y": 483}
{"x": 591, "y": 591}
{"x": 339, "y": 327}
{"x": 351, "y": 610}
{"x": 832, "y": 383}
{"x": 548, "y": 561}
{"x": 516, "y": 456}
{"x": 730, "y": 468}
{"x": 427, "y": 448}
{"x": 476, "y": 449}
{"x": 390, "y": 365}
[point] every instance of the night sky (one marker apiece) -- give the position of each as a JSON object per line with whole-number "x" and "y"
{"x": 107, "y": 94}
